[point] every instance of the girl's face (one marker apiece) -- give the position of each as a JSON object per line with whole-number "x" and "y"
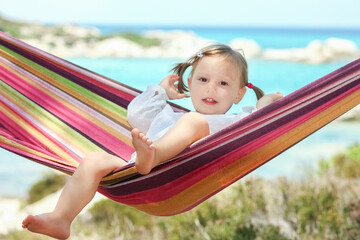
{"x": 215, "y": 85}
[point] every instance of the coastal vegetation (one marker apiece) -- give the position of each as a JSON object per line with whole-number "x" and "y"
{"x": 322, "y": 205}
{"x": 11, "y": 27}
{"x": 48, "y": 185}
{"x": 139, "y": 39}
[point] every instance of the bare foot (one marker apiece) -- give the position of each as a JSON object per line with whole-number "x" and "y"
{"x": 48, "y": 225}
{"x": 145, "y": 152}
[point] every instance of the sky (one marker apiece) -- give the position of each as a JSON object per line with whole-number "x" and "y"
{"x": 233, "y": 13}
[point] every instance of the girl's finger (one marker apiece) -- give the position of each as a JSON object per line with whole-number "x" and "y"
{"x": 174, "y": 78}
{"x": 181, "y": 95}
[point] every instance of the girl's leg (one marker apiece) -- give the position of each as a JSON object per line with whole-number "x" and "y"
{"x": 77, "y": 193}
{"x": 190, "y": 128}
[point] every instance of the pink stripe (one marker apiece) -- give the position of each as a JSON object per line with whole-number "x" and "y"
{"x": 99, "y": 84}
{"x": 19, "y": 132}
{"x": 33, "y": 147}
{"x": 38, "y": 159}
{"x": 70, "y": 117}
{"x": 24, "y": 135}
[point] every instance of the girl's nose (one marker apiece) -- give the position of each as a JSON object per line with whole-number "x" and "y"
{"x": 211, "y": 88}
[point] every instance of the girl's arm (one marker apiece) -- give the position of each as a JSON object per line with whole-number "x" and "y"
{"x": 143, "y": 109}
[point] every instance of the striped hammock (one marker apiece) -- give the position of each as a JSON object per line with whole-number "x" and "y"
{"x": 54, "y": 112}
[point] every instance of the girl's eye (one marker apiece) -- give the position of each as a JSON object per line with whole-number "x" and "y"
{"x": 203, "y": 79}
{"x": 222, "y": 83}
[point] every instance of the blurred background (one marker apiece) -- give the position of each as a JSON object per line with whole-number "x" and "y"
{"x": 287, "y": 45}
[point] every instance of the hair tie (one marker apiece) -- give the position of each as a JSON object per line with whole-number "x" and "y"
{"x": 250, "y": 85}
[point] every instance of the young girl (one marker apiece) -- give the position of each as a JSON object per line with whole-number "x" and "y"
{"x": 218, "y": 79}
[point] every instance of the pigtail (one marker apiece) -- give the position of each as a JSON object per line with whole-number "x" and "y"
{"x": 259, "y": 93}
{"x": 180, "y": 69}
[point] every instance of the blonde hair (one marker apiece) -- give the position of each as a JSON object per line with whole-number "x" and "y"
{"x": 216, "y": 50}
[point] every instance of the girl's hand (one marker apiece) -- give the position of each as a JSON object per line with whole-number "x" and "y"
{"x": 171, "y": 88}
{"x": 268, "y": 99}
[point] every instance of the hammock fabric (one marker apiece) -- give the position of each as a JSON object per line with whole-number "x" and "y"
{"x": 54, "y": 112}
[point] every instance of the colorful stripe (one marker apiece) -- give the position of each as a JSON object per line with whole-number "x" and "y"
{"x": 54, "y": 112}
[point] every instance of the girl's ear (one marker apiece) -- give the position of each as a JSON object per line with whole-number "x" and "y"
{"x": 240, "y": 95}
{"x": 189, "y": 83}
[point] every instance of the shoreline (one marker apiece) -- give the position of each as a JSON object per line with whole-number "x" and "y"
{"x": 69, "y": 40}
{"x": 181, "y": 44}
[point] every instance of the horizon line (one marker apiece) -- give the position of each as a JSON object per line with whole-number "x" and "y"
{"x": 187, "y": 25}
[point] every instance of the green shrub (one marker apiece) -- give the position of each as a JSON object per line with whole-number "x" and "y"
{"x": 50, "y": 184}
{"x": 271, "y": 232}
{"x": 347, "y": 164}
{"x": 108, "y": 216}
{"x": 245, "y": 232}
{"x": 141, "y": 40}
{"x": 10, "y": 27}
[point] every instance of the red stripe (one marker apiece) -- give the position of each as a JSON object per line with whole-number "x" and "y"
{"x": 38, "y": 159}
{"x": 18, "y": 132}
{"x": 69, "y": 116}
{"x": 94, "y": 82}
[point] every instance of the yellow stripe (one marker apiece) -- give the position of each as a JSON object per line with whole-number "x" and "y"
{"x": 110, "y": 179}
{"x": 248, "y": 163}
{"x": 83, "y": 148}
{"x": 23, "y": 148}
{"x": 36, "y": 134}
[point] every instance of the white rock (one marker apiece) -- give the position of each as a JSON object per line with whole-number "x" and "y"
{"x": 79, "y": 31}
{"x": 116, "y": 47}
{"x": 342, "y": 46}
{"x": 250, "y": 47}
{"x": 183, "y": 44}
{"x": 316, "y": 52}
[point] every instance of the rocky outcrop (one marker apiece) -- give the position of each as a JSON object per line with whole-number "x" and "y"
{"x": 72, "y": 41}
{"x": 316, "y": 52}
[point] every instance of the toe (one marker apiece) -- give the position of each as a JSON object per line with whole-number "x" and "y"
{"x": 135, "y": 132}
{"x": 145, "y": 138}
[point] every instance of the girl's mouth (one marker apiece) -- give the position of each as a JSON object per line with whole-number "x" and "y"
{"x": 209, "y": 101}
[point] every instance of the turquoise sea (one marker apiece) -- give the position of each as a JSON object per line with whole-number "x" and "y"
{"x": 266, "y": 37}
{"x": 18, "y": 174}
